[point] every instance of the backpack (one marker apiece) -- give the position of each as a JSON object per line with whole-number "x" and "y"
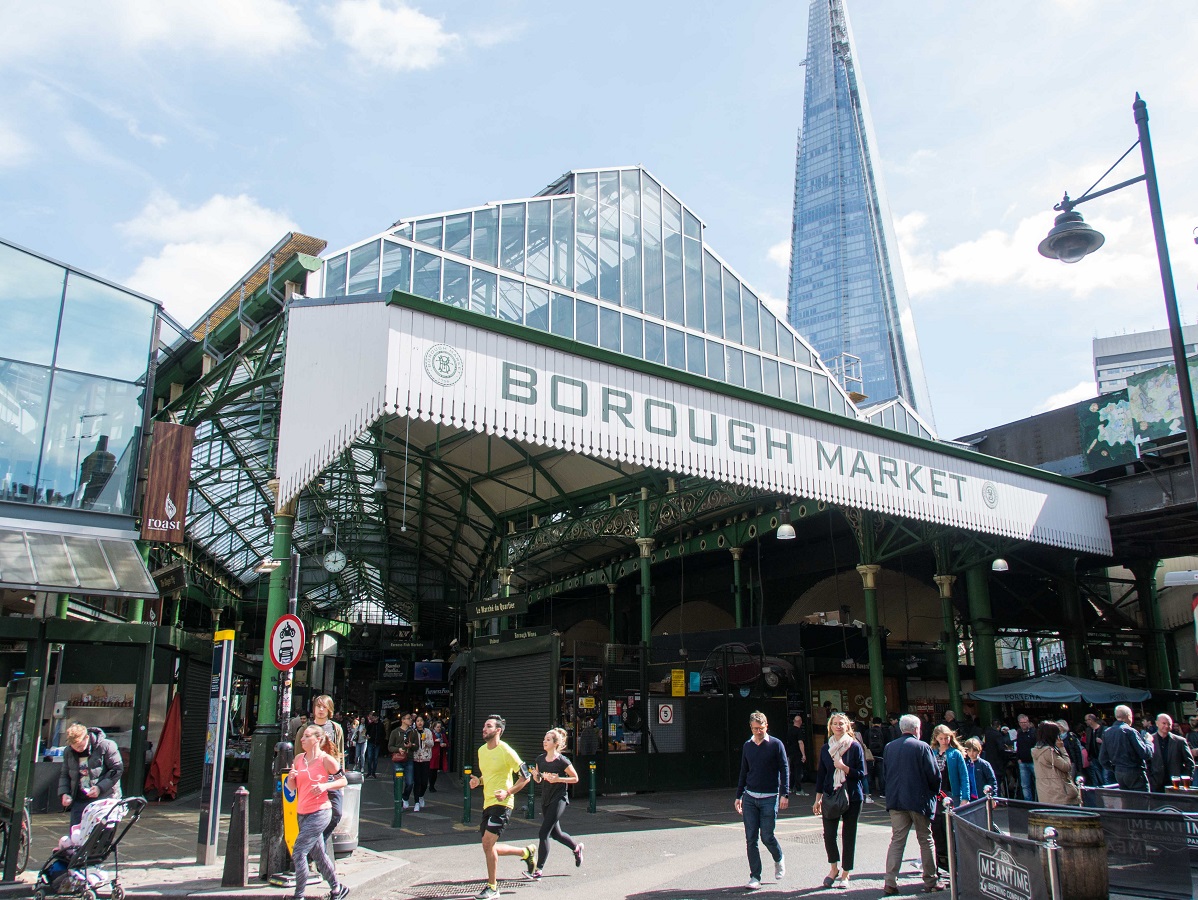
{"x": 877, "y": 740}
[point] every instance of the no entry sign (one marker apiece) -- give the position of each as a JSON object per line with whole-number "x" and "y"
{"x": 287, "y": 642}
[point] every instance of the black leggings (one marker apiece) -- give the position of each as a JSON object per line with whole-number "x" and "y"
{"x": 420, "y": 772}
{"x": 551, "y": 827}
{"x": 848, "y": 836}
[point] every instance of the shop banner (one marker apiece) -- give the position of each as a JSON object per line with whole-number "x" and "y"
{"x": 1149, "y": 851}
{"x": 992, "y": 866}
{"x": 164, "y": 511}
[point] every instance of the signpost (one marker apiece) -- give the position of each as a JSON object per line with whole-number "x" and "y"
{"x": 287, "y": 641}
{"x": 214, "y": 748}
{"x": 515, "y": 605}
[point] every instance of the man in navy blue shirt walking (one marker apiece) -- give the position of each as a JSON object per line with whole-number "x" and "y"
{"x": 760, "y": 793}
{"x": 912, "y": 781}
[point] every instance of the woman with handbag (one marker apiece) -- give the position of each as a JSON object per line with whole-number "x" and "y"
{"x": 954, "y": 784}
{"x": 839, "y": 784}
{"x": 422, "y": 756}
{"x": 401, "y": 745}
{"x": 1053, "y": 768}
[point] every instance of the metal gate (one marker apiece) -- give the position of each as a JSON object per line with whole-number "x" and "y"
{"x": 194, "y": 684}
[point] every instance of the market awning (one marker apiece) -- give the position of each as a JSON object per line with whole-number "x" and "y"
{"x": 1060, "y": 689}
{"x": 73, "y": 563}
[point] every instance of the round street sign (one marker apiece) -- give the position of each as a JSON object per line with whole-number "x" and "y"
{"x": 287, "y": 642}
{"x": 665, "y": 714}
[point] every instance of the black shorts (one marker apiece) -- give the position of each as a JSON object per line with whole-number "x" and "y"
{"x": 495, "y": 819}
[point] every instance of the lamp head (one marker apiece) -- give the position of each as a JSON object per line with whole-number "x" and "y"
{"x": 1070, "y": 239}
{"x": 380, "y": 482}
{"x": 999, "y": 565}
{"x": 786, "y": 532}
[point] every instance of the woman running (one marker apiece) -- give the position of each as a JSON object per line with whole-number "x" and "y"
{"x": 314, "y": 773}
{"x": 557, "y": 771}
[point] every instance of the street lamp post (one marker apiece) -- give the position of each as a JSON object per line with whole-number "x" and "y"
{"x": 1071, "y": 239}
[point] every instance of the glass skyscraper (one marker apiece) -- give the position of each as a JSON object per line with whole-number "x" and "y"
{"x": 846, "y": 293}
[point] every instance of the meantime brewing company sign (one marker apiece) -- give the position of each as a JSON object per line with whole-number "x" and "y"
{"x": 396, "y": 359}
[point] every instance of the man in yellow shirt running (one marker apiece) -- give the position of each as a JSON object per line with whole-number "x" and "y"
{"x": 499, "y": 764}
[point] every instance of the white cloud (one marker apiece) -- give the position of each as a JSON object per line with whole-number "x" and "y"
{"x": 773, "y": 304}
{"x": 249, "y": 29}
{"x": 779, "y": 254}
{"x": 201, "y": 251}
{"x": 1083, "y": 390}
{"x": 390, "y": 35}
{"x": 14, "y": 149}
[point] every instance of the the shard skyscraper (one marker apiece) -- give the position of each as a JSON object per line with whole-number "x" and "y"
{"x": 846, "y": 292}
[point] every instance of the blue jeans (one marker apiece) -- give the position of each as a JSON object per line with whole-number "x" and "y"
{"x": 760, "y": 815}
{"x": 409, "y": 773}
{"x": 1027, "y": 779}
{"x": 1097, "y": 776}
{"x": 372, "y": 759}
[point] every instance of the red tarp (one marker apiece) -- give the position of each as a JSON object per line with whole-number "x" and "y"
{"x": 164, "y": 770}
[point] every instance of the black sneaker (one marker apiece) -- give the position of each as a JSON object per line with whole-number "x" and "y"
{"x": 340, "y": 892}
{"x": 487, "y": 893}
{"x": 530, "y": 858}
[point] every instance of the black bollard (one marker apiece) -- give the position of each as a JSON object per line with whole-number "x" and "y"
{"x": 237, "y": 845}
{"x": 274, "y": 856}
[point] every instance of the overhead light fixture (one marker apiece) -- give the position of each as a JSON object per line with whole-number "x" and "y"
{"x": 268, "y": 565}
{"x": 999, "y": 565}
{"x": 380, "y": 481}
{"x": 327, "y": 531}
{"x": 786, "y": 532}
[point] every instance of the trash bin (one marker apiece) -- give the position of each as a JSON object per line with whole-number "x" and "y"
{"x": 345, "y": 836}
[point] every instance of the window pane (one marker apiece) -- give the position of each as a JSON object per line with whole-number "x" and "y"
{"x": 563, "y": 243}
{"x": 334, "y": 277}
{"x": 735, "y": 373}
{"x": 753, "y": 371}
{"x": 22, "y": 416}
{"x": 690, "y": 225}
{"x": 835, "y": 401}
{"x": 511, "y": 237}
{"x": 675, "y": 349}
{"x": 806, "y": 393}
{"x": 562, "y": 320}
{"x": 430, "y": 231}
{"x": 787, "y": 377}
{"x": 696, "y": 355}
{"x": 457, "y": 284}
{"x": 364, "y": 269}
{"x": 511, "y": 300}
{"x": 634, "y": 344}
{"x": 651, "y": 235}
{"x": 426, "y": 282}
{"x": 821, "y": 392}
{"x": 769, "y": 377}
{"x": 769, "y": 331}
{"x": 802, "y": 354}
{"x": 694, "y": 284}
{"x": 675, "y": 303}
{"x": 537, "y": 261}
{"x": 655, "y": 342}
{"x": 630, "y": 243}
{"x": 609, "y": 236}
{"x": 714, "y": 303}
{"x": 671, "y": 213}
{"x": 609, "y": 329}
{"x": 786, "y": 344}
{"x": 457, "y": 234}
{"x": 751, "y": 329}
{"x": 588, "y": 323}
{"x": 397, "y": 267}
{"x": 537, "y": 312}
{"x": 30, "y": 298}
{"x": 90, "y": 443}
{"x": 404, "y": 231}
{"x": 486, "y": 236}
{"x": 587, "y": 235}
{"x": 104, "y": 331}
{"x": 715, "y": 360}
{"x": 482, "y": 292}
{"x": 731, "y": 307}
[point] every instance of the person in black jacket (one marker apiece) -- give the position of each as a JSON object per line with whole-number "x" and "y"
{"x": 1126, "y": 753}
{"x": 912, "y": 780}
{"x": 841, "y": 764}
{"x": 996, "y": 750}
{"x": 1025, "y": 740}
{"x": 91, "y": 770}
{"x": 796, "y": 749}
{"x": 1170, "y": 755}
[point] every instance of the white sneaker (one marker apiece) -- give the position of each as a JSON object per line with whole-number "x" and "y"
{"x": 407, "y": 805}
{"x": 754, "y": 884}
{"x": 869, "y": 798}
{"x": 780, "y": 869}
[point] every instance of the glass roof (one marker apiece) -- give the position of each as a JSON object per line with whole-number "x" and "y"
{"x": 606, "y": 257}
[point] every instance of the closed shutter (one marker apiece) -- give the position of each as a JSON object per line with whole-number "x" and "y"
{"x": 195, "y": 685}
{"x": 517, "y": 688}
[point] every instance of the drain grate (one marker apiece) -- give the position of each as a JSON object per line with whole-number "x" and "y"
{"x": 807, "y": 837}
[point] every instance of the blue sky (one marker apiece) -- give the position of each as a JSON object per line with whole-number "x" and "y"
{"x": 167, "y": 146}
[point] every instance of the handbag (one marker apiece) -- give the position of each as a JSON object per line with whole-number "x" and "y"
{"x": 399, "y": 756}
{"x": 836, "y": 804}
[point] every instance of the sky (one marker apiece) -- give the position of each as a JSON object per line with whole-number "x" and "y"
{"x": 168, "y": 146}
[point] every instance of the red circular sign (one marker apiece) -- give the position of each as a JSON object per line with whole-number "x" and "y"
{"x": 287, "y": 642}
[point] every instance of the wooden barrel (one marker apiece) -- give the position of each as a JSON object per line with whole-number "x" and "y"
{"x": 1081, "y": 861}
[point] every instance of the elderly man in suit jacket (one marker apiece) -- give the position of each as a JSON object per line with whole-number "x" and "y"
{"x": 1170, "y": 757}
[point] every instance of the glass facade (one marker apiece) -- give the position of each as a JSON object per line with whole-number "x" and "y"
{"x": 846, "y": 291}
{"x": 74, "y": 352}
{"x": 609, "y": 258}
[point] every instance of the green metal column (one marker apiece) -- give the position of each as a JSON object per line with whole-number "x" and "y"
{"x": 266, "y": 733}
{"x": 1076, "y": 659}
{"x": 877, "y": 677}
{"x": 137, "y": 604}
{"x": 611, "y": 612}
{"x": 985, "y": 659}
{"x": 736, "y": 591}
{"x": 135, "y": 777}
{"x": 1160, "y": 673}
{"x": 645, "y": 544}
{"x": 952, "y": 651}
{"x": 64, "y": 606}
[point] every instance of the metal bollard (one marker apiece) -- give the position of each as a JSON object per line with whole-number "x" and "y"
{"x": 591, "y": 805}
{"x": 397, "y": 814}
{"x": 989, "y": 798}
{"x": 1054, "y": 875}
{"x": 530, "y": 810}
{"x": 948, "y": 843}
{"x": 466, "y": 775}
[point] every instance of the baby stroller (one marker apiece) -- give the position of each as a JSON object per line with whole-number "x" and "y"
{"x": 73, "y": 868}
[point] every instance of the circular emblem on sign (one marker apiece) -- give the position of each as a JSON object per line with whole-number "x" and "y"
{"x": 665, "y": 714}
{"x": 287, "y": 642}
{"x": 443, "y": 364}
{"x": 990, "y": 495}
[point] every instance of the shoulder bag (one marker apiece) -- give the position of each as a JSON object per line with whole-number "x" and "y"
{"x": 836, "y": 804}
